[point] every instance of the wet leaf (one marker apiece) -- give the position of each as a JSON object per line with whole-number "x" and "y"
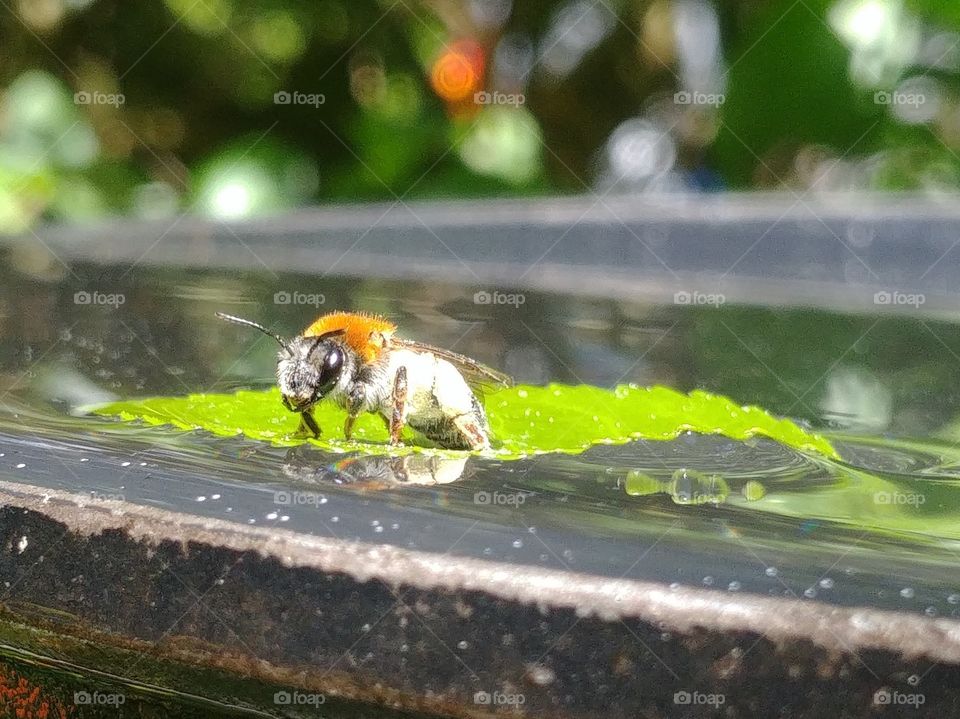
{"x": 524, "y": 420}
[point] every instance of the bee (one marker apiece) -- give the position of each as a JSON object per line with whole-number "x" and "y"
{"x": 357, "y": 361}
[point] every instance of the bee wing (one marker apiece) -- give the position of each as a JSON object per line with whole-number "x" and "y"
{"x": 477, "y": 375}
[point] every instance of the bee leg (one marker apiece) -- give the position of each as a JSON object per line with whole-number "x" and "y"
{"x": 348, "y": 425}
{"x": 399, "y": 404}
{"x": 308, "y": 425}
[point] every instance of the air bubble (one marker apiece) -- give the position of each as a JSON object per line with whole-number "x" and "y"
{"x": 907, "y": 593}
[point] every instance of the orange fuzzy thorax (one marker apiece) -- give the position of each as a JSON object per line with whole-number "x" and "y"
{"x": 366, "y": 334}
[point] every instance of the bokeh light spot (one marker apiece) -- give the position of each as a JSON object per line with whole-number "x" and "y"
{"x": 458, "y": 72}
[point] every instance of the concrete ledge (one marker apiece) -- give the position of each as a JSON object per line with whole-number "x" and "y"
{"x": 425, "y": 632}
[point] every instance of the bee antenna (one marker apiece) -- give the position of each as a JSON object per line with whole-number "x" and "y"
{"x": 250, "y": 323}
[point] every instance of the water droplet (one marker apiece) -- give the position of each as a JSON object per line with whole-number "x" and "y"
{"x": 21, "y": 465}
{"x": 125, "y": 464}
{"x": 284, "y": 518}
{"x": 517, "y": 543}
{"x": 907, "y": 593}
{"x": 771, "y": 571}
{"x": 272, "y": 515}
{"x": 541, "y": 675}
{"x": 214, "y": 496}
{"x": 201, "y": 498}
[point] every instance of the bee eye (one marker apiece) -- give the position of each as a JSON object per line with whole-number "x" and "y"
{"x": 332, "y": 363}
{"x": 329, "y": 372}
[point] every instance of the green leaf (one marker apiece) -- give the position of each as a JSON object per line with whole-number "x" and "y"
{"x": 524, "y": 420}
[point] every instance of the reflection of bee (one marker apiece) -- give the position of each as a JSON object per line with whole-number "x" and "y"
{"x": 357, "y": 361}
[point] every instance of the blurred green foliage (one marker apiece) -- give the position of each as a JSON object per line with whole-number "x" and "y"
{"x": 236, "y": 108}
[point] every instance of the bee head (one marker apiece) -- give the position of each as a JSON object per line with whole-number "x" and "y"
{"x": 308, "y": 368}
